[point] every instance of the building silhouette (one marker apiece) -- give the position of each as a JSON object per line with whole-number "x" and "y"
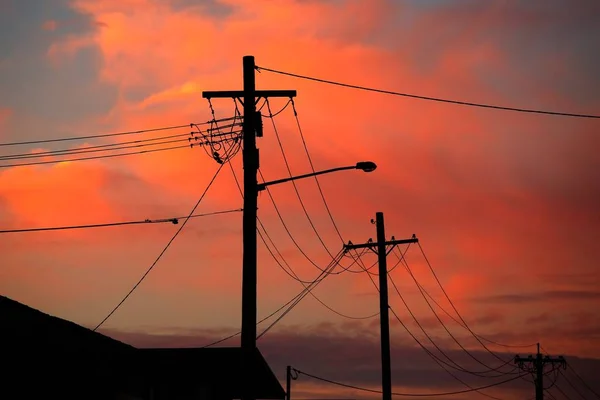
{"x": 47, "y": 357}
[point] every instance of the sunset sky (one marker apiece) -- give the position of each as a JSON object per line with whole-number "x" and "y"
{"x": 505, "y": 204}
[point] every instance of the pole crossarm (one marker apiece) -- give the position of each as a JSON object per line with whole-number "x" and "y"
{"x": 535, "y": 364}
{"x": 373, "y": 246}
{"x": 226, "y": 94}
{"x": 521, "y": 361}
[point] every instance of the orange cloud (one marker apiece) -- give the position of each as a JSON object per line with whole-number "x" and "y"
{"x": 5, "y": 114}
{"x": 482, "y": 189}
{"x": 50, "y": 25}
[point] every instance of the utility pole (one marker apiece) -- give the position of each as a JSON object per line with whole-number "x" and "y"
{"x": 381, "y": 249}
{"x": 250, "y": 160}
{"x": 288, "y": 383}
{"x": 536, "y": 366}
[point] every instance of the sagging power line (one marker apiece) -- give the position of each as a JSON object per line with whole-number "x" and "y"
{"x": 363, "y": 389}
{"x": 173, "y": 220}
{"x": 137, "y": 284}
{"x": 429, "y": 98}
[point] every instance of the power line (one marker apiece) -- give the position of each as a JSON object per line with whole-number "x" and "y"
{"x": 174, "y": 220}
{"x": 295, "y": 186}
{"x": 291, "y": 273}
{"x": 301, "y": 294}
{"x": 163, "y": 251}
{"x": 466, "y": 326}
{"x": 97, "y": 157}
{"x": 456, "y": 365}
{"x": 307, "y": 289}
{"x": 86, "y": 149}
{"x": 454, "y": 319}
{"x": 505, "y": 362}
{"x": 407, "y": 394}
{"x": 436, "y": 359}
{"x": 572, "y": 385}
{"x": 582, "y": 381}
{"x": 64, "y": 139}
{"x": 321, "y": 193}
{"x": 441, "y": 100}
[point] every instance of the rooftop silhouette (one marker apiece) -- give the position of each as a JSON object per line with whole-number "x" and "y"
{"x": 61, "y": 358}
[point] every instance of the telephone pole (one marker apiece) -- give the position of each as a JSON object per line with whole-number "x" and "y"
{"x": 536, "y": 366}
{"x": 250, "y": 159}
{"x": 381, "y": 249}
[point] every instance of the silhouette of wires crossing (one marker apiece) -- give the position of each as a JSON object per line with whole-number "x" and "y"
{"x": 138, "y": 283}
{"x": 105, "y": 135}
{"x": 210, "y": 137}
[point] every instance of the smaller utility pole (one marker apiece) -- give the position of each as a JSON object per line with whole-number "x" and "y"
{"x": 288, "y": 383}
{"x": 381, "y": 249}
{"x": 536, "y": 366}
{"x": 290, "y": 375}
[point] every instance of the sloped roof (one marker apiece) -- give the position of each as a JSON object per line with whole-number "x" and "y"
{"x": 50, "y": 348}
{"x": 29, "y": 328}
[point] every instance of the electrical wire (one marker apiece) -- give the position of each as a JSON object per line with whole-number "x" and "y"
{"x": 571, "y": 384}
{"x": 454, "y": 307}
{"x": 436, "y": 99}
{"x": 85, "y": 149}
{"x": 441, "y": 363}
{"x": 307, "y": 289}
{"x": 312, "y": 168}
{"x": 561, "y": 392}
{"x": 457, "y": 321}
{"x": 295, "y": 186}
{"x": 264, "y": 234}
{"x": 455, "y": 365}
{"x": 76, "y": 151}
{"x": 104, "y": 148}
{"x": 97, "y": 157}
{"x": 173, "y": 220}
{"x": 505, "y": 362}
{"x": 63, "y": 139}
{"x": 285, "y": 227}
{"x": 163, "y": 251}
{"x": 588, "y": 387}
{"x": 289, "y": 271}
{"x": 300, "y": 294}
{"x": 405, "y": 394}
{"x": 436, "y": 359}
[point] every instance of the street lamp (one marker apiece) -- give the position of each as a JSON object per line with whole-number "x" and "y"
{"x": 366, "y": 166}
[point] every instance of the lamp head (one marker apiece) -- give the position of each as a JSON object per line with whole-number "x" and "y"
{"x": 367, "y": 166}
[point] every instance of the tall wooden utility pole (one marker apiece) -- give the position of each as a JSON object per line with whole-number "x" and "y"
{"x": 536, "y": 365}
{"x": 251, "y": 164}
{"x": 381, "y": 249}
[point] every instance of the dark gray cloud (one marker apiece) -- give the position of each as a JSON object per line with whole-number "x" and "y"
{"x": 355, "y": 359}
{"x": 42, "y": 95}
{"x": 213, "y": 8}
{"x": 540, "y": 296}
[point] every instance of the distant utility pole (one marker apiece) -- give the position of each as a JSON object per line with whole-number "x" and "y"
{"x": 290, "y": 375}
{"x": 381, "y": 249}
{"x": 250, "y": 161}
{"x": 536, "y": 366}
